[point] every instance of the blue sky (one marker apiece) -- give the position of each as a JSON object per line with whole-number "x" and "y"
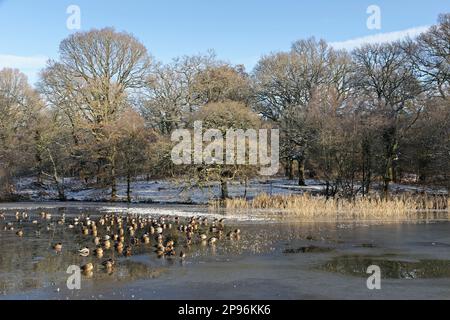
{"x": 239, "y": 31}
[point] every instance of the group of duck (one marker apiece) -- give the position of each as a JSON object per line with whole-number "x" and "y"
{"x": 123, "y": 233}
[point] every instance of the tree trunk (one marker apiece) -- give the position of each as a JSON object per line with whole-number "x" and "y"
{"x": 327, "y": 190}
{"x": 224, "y": 189}
{"x": 387, "y": 177}
{"x": 386, "y": 188}
{"x": 289, "y": 169}
{"x": 246, "y": 186}
{"x": 301, "y": 171}
{"x": 390, "y": 138}
{"x": 128, "y": 188}
{"x": 59, "y": 185}
{"x": 113, "y": 184}
{"x": 366, "y": 167}
{"x": 61, "y": 193}
{"x": 38, "y": 157}
{"x": 113, "y": 176}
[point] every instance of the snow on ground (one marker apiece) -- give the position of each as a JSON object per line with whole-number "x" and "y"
{"x": 171, "y": 192}
{"x": 162, "y": 191}
{"x": 253, "y": 216}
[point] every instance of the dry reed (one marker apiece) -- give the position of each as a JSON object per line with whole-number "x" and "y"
{"x": 365, "y": 208}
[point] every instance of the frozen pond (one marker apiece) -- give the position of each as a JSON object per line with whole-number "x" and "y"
{"x": 271, "y": 260}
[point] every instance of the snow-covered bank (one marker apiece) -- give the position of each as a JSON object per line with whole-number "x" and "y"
{"x": 171, "y": 192}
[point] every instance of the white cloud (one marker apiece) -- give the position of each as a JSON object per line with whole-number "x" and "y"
{"x": 30, "y": 65}
{"x": 379, "y": 38}
{"x": 20, "y": 62}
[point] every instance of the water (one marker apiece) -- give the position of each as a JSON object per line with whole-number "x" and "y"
{"x": 271, "y": 260}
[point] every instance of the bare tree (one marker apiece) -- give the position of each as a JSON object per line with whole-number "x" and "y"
{"x": 284, "y": 85}
{"x": 92, "y": 81}
{"x": 19, "y": 110}
{"x": 429, "y": 54}
{"x": 389, "y": 86}
{"x": 224, "y": 116}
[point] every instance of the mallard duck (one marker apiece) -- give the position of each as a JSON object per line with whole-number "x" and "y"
{"x": 127, "y": 252}
{"x": 107, "y": 244}
{"x": 84, "y": 252}
{"x": 170, "y": 252}
{"x": 119, "y": 245}
{"x": 170, "y": 243}
{"x": 182, "y": 255}
{"x": 57, "y": 247}
{"x": 99, "y": 252}
{"x": 19, "y": 233}
{"x": 134, "y": 241}
{"x": 109, "y": 264}
{"x": 87, "y": 268}
{"x": 146, "y": 239}
{"x": 160, "y": 253}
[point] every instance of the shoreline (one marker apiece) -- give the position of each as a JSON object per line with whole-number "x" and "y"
{"x": 244, "y": 216}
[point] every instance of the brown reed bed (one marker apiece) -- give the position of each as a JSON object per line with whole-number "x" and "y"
{"x": 310, "y": 207}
